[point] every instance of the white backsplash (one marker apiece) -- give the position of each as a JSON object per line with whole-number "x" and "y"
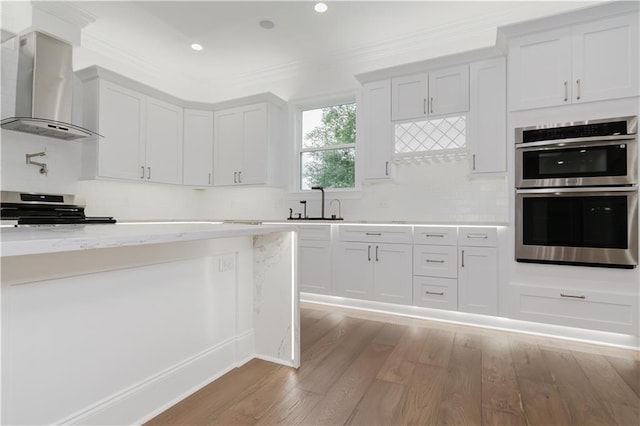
{"x": 435, "y": 192}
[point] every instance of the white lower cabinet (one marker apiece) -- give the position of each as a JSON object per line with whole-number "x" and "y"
{"x": 611, "y": 312}
{"x": 436, "y": 293}
{"x": 478, "y": 280}
{"x": 314, "y": 259}
{"x": 373, "y": 271}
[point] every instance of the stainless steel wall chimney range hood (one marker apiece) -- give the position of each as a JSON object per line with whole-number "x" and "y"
{"x": 45, "y": 89}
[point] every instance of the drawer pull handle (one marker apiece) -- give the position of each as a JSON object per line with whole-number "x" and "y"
{"x": 435, "y": 293}
{"x": 434, "y": 235}
{"x": 369, "y": 253}
{"x": 434, "y": 261}
{"x": 478, "y": 236}
{"x": 571, "y": 296}
{"x": 374, "y": 233}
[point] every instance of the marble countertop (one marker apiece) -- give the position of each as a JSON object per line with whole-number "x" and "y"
{"x": 367, "y": 222}
{"x": 50, "y": 239}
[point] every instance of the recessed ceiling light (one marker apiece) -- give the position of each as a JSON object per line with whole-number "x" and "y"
{"x": 196, "y": 46}
{"x": 267, "y": 24}
{"x": 320, "y": 7}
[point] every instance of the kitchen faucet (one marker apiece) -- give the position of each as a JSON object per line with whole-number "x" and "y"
{"x": 321, "y": 189}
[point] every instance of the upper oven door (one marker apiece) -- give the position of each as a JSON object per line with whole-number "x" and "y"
{"x": 601, "y": 161}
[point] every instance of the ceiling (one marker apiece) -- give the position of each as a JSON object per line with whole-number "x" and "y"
{"x": 305, "y": 54}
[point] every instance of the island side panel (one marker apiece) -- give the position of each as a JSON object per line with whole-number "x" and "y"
{"x": 115, "y": 336}
{"x": 276, "y": 299}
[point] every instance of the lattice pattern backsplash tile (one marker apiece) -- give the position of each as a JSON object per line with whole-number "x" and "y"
{"x": 431, "y": 135}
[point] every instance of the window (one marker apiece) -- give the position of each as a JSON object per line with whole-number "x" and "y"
{"x": 434, "y": 136}
{"x": 328, "y": 147}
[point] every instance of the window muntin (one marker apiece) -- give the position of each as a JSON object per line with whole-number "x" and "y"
{"x": 327, "y": 147}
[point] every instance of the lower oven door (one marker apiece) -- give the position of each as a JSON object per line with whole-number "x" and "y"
{"x": 587, "y": 226}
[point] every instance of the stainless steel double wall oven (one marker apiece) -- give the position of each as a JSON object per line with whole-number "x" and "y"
{"x": 577, "y": 193}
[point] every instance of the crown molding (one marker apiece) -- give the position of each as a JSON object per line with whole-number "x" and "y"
{"x": 66, "y": 11}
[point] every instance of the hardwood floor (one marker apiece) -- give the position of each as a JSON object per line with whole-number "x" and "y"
{"x": 391, "y": 371}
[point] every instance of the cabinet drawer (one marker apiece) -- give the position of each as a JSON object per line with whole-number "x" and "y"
{"x": 375, "y": 234}
{"x": 315, "y": 232}
{"x": 437, "y": 293}
{"x": 576, "y": 308}
{"x": 435, "y": 235}
{"x": 435, "y": 261}
{"x": 477, "y": 236}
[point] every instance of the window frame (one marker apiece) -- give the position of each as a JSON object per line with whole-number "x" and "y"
{"x": 298, "y": 107}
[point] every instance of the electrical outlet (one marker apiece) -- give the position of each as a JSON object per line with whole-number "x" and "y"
{"x": 226, "y": 263}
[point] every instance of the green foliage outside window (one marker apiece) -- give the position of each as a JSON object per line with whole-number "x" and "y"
{"x": 331, "y": 167}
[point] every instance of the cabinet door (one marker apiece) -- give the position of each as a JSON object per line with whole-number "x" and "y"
{"x": 448, "y": 91}
{"x": 353, "y": 270}
{"x": 487, "y": 126}
{"x": 163, "y": 142}
{"x": 605, "y": 59}
{"x": 121, "y": 152}
{"x": 255, "y": 133}
{"x": 478, "y": 280}
{"x": 540, "y": 70}
{"x": 227, "y": 146}
{"x": 409, "y": 97}
{"x": 377, "y": 138}
{"x": 392, "y": 278}
{"x": 198, "y": 148}
{"x": 314, "y": 266}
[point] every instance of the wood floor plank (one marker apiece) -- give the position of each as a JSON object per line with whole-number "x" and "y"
{"x": 423, "y": 396}
{"x": 379, "y": 406}
{"x": 341, "y": 399}
{"x": 272, "y": 389}
{"x": 324, "y": 374}
{"x": 629, "y": 370}
{"x": 318, "y": 329}
{"x": 493, "y": 417}
{"x": 230, "y": 417}
{"x": 500, "y": 390}
{"x": 400, "y": 365}
{"x": 528, "y": 360}
{"x": 542, "y": 403}
{"x": 467, "y": 339}
{"x": 437, "y": 348}
{"x": 390, "y": 334}
{"x": 207, "y": 403}
{"x": 462, "y": 396}
{"x": 625, "y": 415}
{"x": 582, "y": 400}
{"x": 605, "y": 379}
{"x": 332, "y": 340}
{"x": 291, "y": 408}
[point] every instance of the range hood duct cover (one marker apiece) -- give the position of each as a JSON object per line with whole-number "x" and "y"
{"x": 45, "y": 89}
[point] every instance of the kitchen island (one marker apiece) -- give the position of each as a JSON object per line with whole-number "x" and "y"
{"x": 112, "y": 324}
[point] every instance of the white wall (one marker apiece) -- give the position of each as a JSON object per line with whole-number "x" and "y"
{"x": 438, "y": 192}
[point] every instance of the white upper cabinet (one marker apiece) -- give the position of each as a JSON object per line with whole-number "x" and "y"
{"x": 377, "y": 131}
{"x": 198, "y": 148}
{"x": 120, "y": 119}
{"x": 255, "y": 135}
{"x": 449, "y": 91}
{"x": 409, "y": 97}
{"x": 540, "y": 70}
{"x": 605, "y": 59}
{"x": 142, "y": 135}
{"x": 487, "y": 127}
{"x": 245, "y": 145}
{"x": 440, "y": 92}
{"x": 164, "y": 136}
{"x": 589, "y": 62}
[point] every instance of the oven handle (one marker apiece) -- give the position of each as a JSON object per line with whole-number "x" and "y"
{"x": 592, "y": 140}
{"x": 585, "y": 189}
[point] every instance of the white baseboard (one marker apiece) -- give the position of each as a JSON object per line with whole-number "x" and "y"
{"x": 462, "y": 318}
{"x": 146, "y": 399}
